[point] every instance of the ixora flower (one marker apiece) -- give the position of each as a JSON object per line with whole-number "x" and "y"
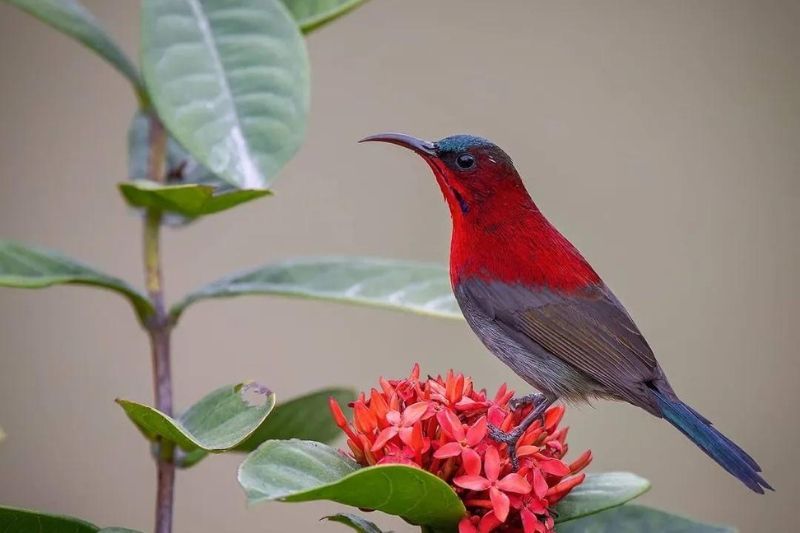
{"x": 440, "y": 424}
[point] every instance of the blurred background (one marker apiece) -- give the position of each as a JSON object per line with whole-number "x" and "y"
{"x": 663, "y": 138}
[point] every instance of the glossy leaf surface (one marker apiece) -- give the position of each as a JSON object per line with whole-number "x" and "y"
{"x": 298, "y": 471}
{"x": 355, "y": 522}
{"x": 306, "y": 417}
{"x": 402, "y": 285}
{"x": 189, "y": 200}
{"x": 13, "y": 520}
{"x": 28, "y": 267}
{"x": 312, "y": 14}
{"x": 599, "y": 492}
{"x": 218, "y": 422}
{"x": 230, "y": 81}
{"x": 638, "y": 519}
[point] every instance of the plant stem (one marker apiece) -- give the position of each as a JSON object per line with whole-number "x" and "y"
{"x": 159, "y": 330}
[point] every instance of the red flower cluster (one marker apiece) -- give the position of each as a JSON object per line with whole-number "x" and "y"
{"x": 441, "y": 425}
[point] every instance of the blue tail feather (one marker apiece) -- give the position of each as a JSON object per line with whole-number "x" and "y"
{"x": 716, "y": 445}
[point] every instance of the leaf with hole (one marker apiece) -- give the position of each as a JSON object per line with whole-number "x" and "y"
{"x": 28, "y": 267}
{"x": 312, "y": 14}
{"x": 306, "y": 417}
{"x": 599, "y": 492}
{"x": 220, "y": 421}
{"x": 638, "y": 519}
{"x": 300, "y": 471}
{"x": 73, "y": 19}
{"x": 25, "y": 520}
{"x": 230, "y": 81}
{"x": 402, "y": 285}
{"x": 355, "y": 522}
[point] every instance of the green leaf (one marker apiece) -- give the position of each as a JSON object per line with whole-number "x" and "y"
{"x": 230, "y": 81}
{"x": 191, "y": 190}
{"x": 190, "y": 200}
{"x": 22, "y": 520}
{"x": 14, "y": 520}
{"x": 415, "y": 287}
{"x": 312, "y": 14}
{"x": 638, "y": 519}
{"x": 299, "y": 471}
{"x": 218, "y": 422}
{"x": 70, "y": 17}
{"x": 306, "y": 417}
{"x": 599, "y": 492}
{"x": 355, "y": 522}
{"x": 2, "y": 435}
{"x": 27, "y": 267}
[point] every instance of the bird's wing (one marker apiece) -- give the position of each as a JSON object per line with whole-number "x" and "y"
{"x": 588, "y": 329}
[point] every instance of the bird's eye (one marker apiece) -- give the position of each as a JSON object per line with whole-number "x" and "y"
{"x": 465, "y": 161}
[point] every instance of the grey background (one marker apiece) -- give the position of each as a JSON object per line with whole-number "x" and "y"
{"x": 661, "y": 137}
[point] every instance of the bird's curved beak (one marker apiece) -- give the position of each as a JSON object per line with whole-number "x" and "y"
{"x": 423, "y": 148}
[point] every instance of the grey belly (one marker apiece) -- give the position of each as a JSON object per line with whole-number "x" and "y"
{"x": 530, "y": 361}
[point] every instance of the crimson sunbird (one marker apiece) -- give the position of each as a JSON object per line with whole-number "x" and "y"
{"x": 539, "y": 306}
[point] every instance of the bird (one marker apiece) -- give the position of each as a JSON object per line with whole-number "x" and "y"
{"x": 539, "y": 306}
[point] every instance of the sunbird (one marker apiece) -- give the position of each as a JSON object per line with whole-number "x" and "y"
{"x": 537, "y": 304}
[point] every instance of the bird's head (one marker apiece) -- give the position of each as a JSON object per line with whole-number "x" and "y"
{"x": 473, "y": 173}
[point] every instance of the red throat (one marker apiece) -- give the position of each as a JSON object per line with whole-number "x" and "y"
{"x": 508, "y": 239}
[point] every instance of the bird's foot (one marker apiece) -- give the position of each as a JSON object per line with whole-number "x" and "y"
{"x": 509, "y": 438}
{"x": 534, "y": 399}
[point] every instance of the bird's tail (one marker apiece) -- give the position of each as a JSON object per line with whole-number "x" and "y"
{"x": 719, "y": 447}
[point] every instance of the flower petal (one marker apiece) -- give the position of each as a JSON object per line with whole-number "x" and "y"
{"x": 530, "y": 524}
{"x": 407, "y": 436}
{"x": 451, "y": 449}
{"x": 393, "y": 417}
{"x": 488, "y": 523}
{"x": 383, "y": 437}
{"x": 514, "y": 483}
{"x": 581, "y": 462}
{"x": 496, "y": 416}
{"x": 554, "y": 467}
{"x": 451, "y": 424}
{"x": 563, "y": 488}
{"x": 477, "y": 432}
{"x": 536, "y": 505}
{"x": 500, "y": 503}
{"x": 472, "y": 482}
{"x": 365, "y": 420}
{"x": 413, "y": 413}
{"x": 552, "y": 417}
{"x": 378, "y": 405}
{"x": 467, "y": 526}
{"x": 491, "y": 464}
{"x": 468, "y": 404}
{"x": 471, "y": 461}
{"x": 522, "y": 451}
{"x": 539, "y": 484}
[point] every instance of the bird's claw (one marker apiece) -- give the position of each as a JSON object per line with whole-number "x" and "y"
{"x": 510, "y": 439}
{"x": 533, "y": 399}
